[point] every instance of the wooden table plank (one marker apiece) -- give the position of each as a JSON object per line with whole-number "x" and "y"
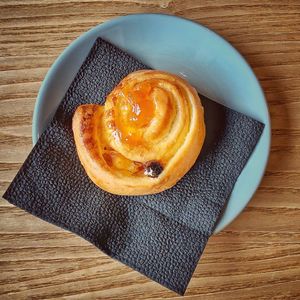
{"x": 256, "y": 257}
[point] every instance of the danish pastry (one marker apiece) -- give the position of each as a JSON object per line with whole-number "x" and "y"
{"x": 145, "y": 138}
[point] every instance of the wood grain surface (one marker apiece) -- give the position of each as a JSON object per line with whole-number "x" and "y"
{"x": 256, "y": 257}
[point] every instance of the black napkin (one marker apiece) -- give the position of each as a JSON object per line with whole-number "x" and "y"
{"x": 161, "y": 236}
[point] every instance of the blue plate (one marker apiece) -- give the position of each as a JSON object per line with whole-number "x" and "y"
{"x": 182, "y": 47}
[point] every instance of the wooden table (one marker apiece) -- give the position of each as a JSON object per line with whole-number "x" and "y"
{"x": 256, "y": 257}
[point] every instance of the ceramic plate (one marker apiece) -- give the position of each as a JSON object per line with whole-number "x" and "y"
{"x": 182, "y": 47}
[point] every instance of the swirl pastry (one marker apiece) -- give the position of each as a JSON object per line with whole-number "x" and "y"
{"x": 145, "y": 138}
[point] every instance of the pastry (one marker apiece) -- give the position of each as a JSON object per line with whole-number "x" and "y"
{"x": 145, "y": 138}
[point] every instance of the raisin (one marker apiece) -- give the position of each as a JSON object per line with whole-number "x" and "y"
{"x": 153, "y": 168}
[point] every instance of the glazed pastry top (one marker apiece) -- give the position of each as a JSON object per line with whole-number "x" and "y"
{"x": 146, "y": 136}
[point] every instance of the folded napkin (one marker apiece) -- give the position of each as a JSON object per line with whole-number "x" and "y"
{"x": 162, "y": 235}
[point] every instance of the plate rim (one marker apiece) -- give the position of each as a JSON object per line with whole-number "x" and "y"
{"x": 114, "y": 21}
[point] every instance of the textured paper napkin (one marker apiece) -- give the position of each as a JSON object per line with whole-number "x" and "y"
{"x": 161, "y": 236}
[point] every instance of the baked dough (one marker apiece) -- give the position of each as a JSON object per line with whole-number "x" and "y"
{"x": 145, "y": 138}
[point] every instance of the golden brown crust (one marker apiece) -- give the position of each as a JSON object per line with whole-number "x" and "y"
{"x": 146, "y": 137}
